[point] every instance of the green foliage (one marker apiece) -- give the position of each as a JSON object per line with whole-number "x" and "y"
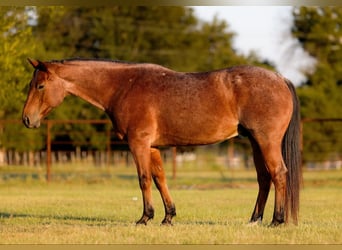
{"x": 319, "y": 30}
{"x": 16, "y": 137}
{"x": 16, "y": 45}
{"x": 170, "y": 36}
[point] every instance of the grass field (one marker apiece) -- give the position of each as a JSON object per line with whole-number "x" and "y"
{"x": 88, "y": 205}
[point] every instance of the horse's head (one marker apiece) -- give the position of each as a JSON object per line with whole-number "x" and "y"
{"x": 46, "y": 92}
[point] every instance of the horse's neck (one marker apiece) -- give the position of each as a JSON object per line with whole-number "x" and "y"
{"x": 87, "y": 95}
{"x": 88, "y": 87}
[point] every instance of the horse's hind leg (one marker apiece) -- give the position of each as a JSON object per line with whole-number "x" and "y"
{"x": 264, "y": 181}
{"x": 158, "y": 176}
{"x": 271, "y": 151}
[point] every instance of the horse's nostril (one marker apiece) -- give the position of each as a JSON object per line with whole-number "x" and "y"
{"x": 26, "y": 121}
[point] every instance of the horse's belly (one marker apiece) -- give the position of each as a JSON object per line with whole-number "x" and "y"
{"x": 199, "y": 135}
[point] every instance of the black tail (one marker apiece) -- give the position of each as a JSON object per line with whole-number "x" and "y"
{"x": 292, "y": 157}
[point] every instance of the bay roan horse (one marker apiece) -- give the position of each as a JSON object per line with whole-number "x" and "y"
{"x": 151, "y": 106}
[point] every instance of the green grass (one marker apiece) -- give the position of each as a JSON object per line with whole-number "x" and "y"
{"x": 212, "y": 208}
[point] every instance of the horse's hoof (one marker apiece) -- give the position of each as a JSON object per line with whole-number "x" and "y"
{"x": 276, "y": 224}
{"x": 168, "y": 218}
{"x": 166, "y": 223}
{"x": 143, "y": 221}
{"x": 254, "y": 223}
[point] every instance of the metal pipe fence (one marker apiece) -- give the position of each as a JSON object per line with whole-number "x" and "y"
{"x": 94, "y": 141}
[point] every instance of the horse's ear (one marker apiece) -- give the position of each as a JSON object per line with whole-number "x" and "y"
{"x": 37, "y": 64}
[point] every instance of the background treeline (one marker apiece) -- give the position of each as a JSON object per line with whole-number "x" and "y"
{"x": 170, "y": 36}
{"x": 319, "y": 32}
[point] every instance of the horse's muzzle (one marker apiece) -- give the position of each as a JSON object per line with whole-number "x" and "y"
{"x": 29, "y": 124}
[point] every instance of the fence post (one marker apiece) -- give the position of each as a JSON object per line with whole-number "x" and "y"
{"x": 230, "y": 153}
{"x": 48, "y": 150}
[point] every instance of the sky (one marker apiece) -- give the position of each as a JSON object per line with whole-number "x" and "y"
{"x": 266, "y": 31}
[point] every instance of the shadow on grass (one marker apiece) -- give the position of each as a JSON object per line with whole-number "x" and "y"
{"x": 4, "y": 215}
{"x": 67, "y": 219}
{"x": 95, "y": 221}
{"x": 127, "y": 176}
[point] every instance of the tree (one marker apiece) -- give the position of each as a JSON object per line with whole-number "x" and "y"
{"x": 319, "y": 31}
{"x": 16, "y": 45}
{"x": 170, "y": 36}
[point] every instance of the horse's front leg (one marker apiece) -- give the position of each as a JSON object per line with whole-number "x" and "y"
{"x": 142, "y": 157}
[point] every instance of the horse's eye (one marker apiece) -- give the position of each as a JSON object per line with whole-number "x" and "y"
{"x": 40, "y": 86}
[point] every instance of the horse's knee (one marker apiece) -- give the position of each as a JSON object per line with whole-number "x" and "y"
{"x": 157, "y": 169}
{"x": 156, "y": 161}
{"x": 279, "y": 175}
{"x": 275, "y": 165}
{"x": 144, "y": 181}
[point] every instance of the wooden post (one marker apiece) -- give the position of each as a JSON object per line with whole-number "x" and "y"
{"x": 48, "y": 150}
{"x": 230, "y": 153}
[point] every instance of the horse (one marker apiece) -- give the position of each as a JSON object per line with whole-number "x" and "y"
{"x": 152, "y": 106}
